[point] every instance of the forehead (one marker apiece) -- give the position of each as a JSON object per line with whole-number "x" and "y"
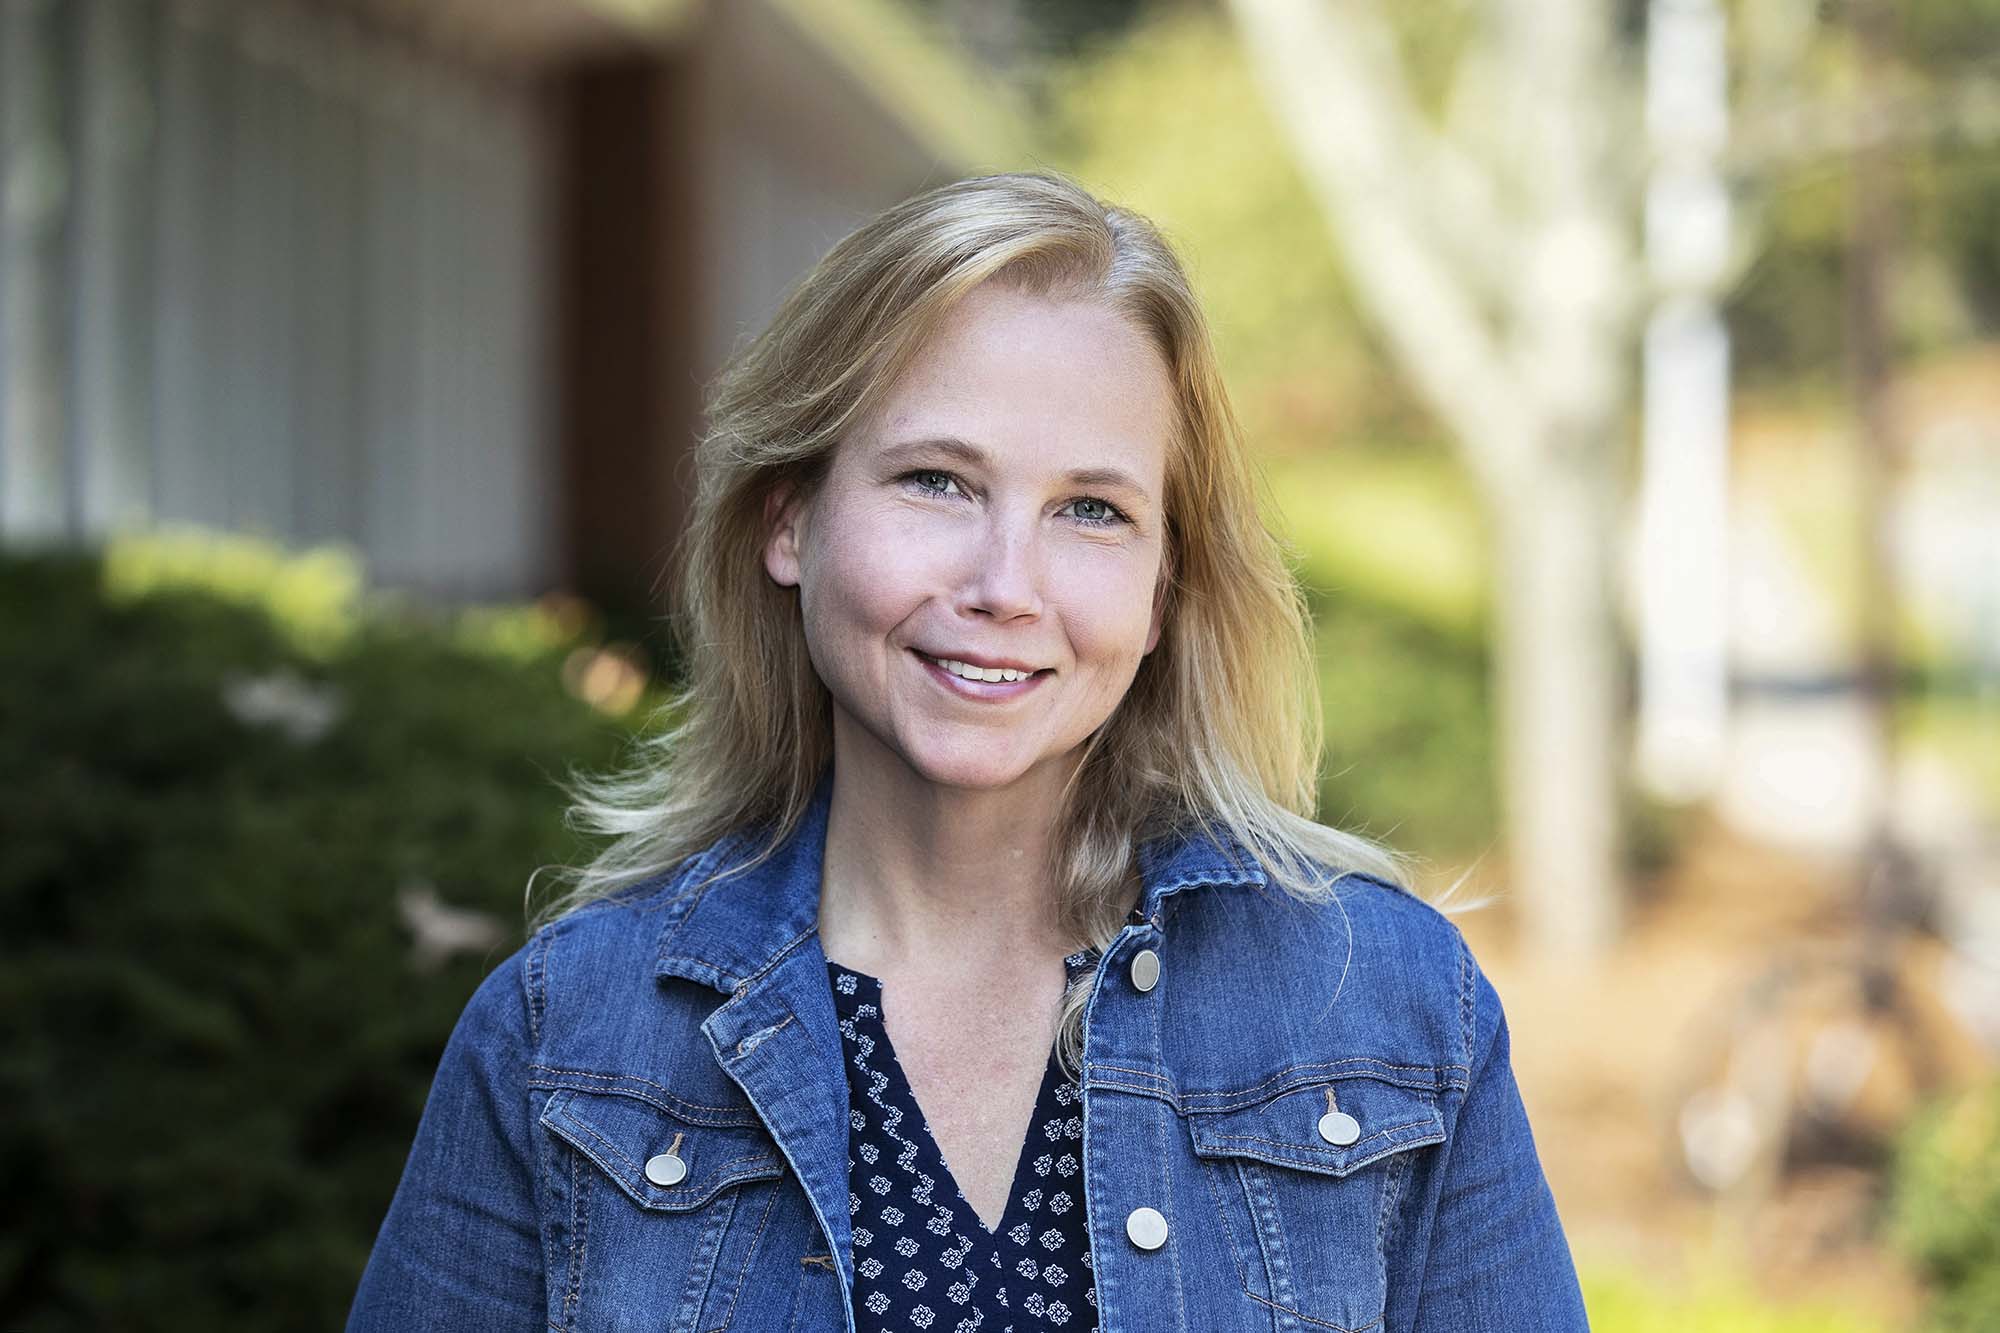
{"x": 1029, "y": 376}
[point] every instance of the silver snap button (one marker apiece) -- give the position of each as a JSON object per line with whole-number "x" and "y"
{"x": 1146, "y": 1228}
{"x": 1145, "y": 970}
{"x": 1339, "y": 1128}
{"x": 666, "y": 1169}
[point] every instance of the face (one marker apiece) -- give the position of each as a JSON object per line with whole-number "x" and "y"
{"x": 1001, "y": 508}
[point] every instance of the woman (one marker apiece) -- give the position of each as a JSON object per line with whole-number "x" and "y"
{"x": 966, "y": 956}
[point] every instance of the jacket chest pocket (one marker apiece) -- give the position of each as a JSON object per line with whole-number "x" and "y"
{"x": 1306, "y": 1185}
{"x": 658, "y": 1218}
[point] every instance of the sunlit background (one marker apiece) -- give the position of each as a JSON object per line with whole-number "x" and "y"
{"x": 1627, "y": 380}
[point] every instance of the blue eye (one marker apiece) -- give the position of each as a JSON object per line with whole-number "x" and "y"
{"x": 938, "y": 482}
{"x": 1112, "y": 515}
{"x": 922, "y": 472}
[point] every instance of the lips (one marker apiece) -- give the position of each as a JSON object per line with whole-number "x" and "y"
{"x": 983, "y": 690}
{"x": 974, "y": 659}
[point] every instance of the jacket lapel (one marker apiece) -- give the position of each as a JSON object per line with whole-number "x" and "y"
{"x": 753, "y": 934}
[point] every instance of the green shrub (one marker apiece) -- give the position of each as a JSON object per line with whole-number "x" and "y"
{"x": 1946, "y": 1211}
{"x": 218, "y": 1040}
{"x": 1409, "y": 732}
{"x": 1625, "y": 1302}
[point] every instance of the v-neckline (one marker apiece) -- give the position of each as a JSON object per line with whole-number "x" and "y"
{"x": 1022, "y": 1159}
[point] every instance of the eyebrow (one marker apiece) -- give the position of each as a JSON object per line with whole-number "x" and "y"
{"x": 967, "y": 452}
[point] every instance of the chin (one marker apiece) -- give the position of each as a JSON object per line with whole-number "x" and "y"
{"x": 973, "y": 772}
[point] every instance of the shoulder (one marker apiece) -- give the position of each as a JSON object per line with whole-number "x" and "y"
{"x": 598, "y": 946}
{"x": 1367, "y": 968}
{"x": 606, "y": 951}
{"x": 1360, "y": 919}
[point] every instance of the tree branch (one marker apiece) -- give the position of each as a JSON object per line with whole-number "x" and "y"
{"x": 1334, "y": 79}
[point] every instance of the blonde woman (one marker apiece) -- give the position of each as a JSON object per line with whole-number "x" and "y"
{"x": 965, "y": 954}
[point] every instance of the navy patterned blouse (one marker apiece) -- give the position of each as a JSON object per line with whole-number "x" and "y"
{"x": 922, "y": 1258}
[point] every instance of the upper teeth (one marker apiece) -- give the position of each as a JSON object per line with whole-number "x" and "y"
{"x": 971, "y": 672}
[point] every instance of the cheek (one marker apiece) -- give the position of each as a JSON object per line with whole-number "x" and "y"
{"x": 864, "y": 578}
{"x": 1108, "y": 608}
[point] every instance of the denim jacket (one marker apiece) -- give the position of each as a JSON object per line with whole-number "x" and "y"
{"x": 640, "y": 1120}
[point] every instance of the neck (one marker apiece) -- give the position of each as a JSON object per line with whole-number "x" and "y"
{"x": 916, "y": 873}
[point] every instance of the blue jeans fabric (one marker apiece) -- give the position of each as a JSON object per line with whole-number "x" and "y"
{"x": 696, "y": 1022}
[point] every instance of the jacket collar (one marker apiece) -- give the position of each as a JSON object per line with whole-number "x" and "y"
{"x": 738, "y": 926}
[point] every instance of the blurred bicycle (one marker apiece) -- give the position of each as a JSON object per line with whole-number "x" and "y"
{"x": 1820, "y": 1059}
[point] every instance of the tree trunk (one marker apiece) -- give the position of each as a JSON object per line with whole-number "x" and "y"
{"x": 1558, "y": 697}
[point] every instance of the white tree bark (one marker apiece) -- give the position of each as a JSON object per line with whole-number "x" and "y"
{"x": 1495, "y": 260}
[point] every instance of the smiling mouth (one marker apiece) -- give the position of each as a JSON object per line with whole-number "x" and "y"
{"x": 966, "y": 671}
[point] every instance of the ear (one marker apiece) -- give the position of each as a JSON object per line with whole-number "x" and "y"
{"x": 783, "y": 521}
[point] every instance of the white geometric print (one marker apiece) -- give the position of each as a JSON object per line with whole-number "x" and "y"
{"x": 895, "y": 1203}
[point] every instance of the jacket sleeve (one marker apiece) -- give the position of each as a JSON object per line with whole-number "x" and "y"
{"x": 460, "y": 1248}
{"x": 1497, "y": 1256}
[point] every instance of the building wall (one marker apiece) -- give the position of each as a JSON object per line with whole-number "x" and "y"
{"x": 342, "y": 271}
{"x": 281, "y": 274}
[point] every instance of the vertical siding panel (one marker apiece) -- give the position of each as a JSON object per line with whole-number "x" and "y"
{"x": 113, "y": 270}
{"x": 260, "y": 286}
{"x": 326, "y": 221}
{"x": 489, "y": 505}
{"x": 390, "y": 310}
{"x": 515, "y": 416}
{"x": 184, "y": 190}
{"x": 294, "y": 282}
{"x": 457, "y": 473}
{"x": 36, "y": 178}
{"x": 432, "y": 240}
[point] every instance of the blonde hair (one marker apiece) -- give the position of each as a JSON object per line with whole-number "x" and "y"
{"x": 1221, "y": 725}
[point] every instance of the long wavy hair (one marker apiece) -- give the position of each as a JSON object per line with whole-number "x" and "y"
{"x": 1221, "y": 726}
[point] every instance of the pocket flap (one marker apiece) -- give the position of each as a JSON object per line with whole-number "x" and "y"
{"x": 1285, "y": 1131}
{"x": 622, "y": 1133}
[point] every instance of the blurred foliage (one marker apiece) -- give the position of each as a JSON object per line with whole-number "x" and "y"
{"x": 218, "y": 1044}
{"x": 1406, "y": 525}
{"x": 313, "y": 599}
{"x": 1389, "y": 548}
{"x": 1170, "y": 121}
{"x": 1383, "y": 525}
{"x": 1408, "y": 731}
{"x": 1946, "y": 1210}
{"x": 1622, "y": 1302}
{"x": 1961, "y": 724}
{"x": 1786, "y": 315}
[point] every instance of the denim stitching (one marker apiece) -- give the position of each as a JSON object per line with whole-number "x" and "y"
{"x": 1185, "y": 1103}
{"x": 1266, "y": 1202}
{"x": 784, "y": 952}
{"x": 579, "y": 1235}
{"x": 1354, "y": 1148}
{"x": 535, "y": 982}
{"x": 1392, "y": 1196}
{"x": 1124, "y": 1069}
{"x": 1376, "y": 1322}
{"x": 1167, "y": 1170}
{"x": 724, "y": 1117}
{"x": 545, "y": 1155}
{"x": 1270, "y": 1234}
{"x": 1358, "y": 1061}
{"x": 1467, "y": 1009}
{"x": 803, "y": 1293}
{"x": 749, "y": 1257}
{"x": 701, "y": 1264}
{"x": 1222, "y": 1216}
{"x": 631, "y": 1168}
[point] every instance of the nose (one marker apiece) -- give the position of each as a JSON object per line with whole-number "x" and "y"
{"x": 1004, "y": 572}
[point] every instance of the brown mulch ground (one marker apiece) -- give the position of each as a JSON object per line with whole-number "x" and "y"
{"x": 1598, "y": 1055}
